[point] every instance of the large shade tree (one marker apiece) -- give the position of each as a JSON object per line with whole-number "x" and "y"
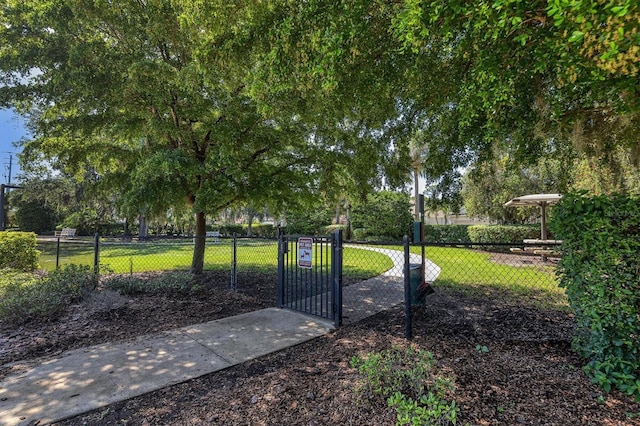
{"x": 156, "y": 101}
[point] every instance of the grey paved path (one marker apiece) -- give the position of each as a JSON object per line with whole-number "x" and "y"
{"x": 381, "y": 293}
{"x": 84, "y": 379}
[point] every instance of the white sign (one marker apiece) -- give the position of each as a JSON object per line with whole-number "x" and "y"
{"x": 305, "y": 252}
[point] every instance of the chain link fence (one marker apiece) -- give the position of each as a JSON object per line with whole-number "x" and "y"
{"x": 373, "y": 273}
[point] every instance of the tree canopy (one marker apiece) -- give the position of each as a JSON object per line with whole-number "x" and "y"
{"x": 212, "y": 103}
{"x": 160, "y": 103}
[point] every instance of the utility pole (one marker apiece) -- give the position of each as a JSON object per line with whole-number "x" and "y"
{"x": 10, "y": 162}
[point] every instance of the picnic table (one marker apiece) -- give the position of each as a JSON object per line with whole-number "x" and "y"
{"x": 538, "y": 246}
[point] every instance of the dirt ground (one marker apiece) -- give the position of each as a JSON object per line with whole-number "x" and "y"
{"x": 527, "y": 375}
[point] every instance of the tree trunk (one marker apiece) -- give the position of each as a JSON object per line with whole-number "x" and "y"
{"x": 250, "y": 215}
{"x": 143, "y": 231}
{"x": 197, "y": 264}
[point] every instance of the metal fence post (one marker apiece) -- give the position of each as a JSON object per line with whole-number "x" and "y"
{"x": 336, "y": 274}
{"x": 282, "y": 249}
{"x": 407, "y": 291}
{"x": 58, "y": 253}
{"x": 234, "y": 263}
{"x": 96, "y": 254}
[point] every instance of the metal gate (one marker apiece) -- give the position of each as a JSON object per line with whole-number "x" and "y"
{"x": 310, "y": 275}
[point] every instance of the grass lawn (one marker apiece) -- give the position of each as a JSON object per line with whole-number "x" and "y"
{"x": 171, "y": 255}
{"x": 473, "y": 272}
{"x": 466, "y": 270}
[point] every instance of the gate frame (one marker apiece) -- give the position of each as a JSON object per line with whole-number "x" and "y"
{"x": 336, "y": 242}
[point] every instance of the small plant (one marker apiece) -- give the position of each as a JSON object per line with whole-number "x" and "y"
{"x": 482, "y": 349}
{"x": 125, "y": 284}
{"x": 407, "y": 380}
{"x": 170, "y": 283}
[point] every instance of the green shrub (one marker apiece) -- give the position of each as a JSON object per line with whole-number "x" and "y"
{"x": 408, "y": 381}
{"x": 599, "y": 270}
{"x": 502, "y": 233}
{"x": 25, "y": 297}
{"x": 384, "y": 214}
{"x": 311, "y": 220}
{"x": 359, "y": 234}
{"x": 18, "y": 251}
{"x": 169, "y": 283}
{"x": 35, "y": 216}
{"x": 229, "y": 230}
{"x": 262, "y": 230}
{"x": 125, "y": 284}
{"x": 446, "y": 233}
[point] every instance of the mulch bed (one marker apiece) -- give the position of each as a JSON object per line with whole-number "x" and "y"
{"x": 528, "y": 375}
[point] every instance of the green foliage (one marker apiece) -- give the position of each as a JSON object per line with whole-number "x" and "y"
{"x": 502, "y": 233}
{"x": 230, "y": 230}
{"x": 312, "y": 220}
{"x": 359, "y": 234}
{"x": 409, "y": 382}
{"x": 430, "y": 409}
{"x": 169, "y": 283}
{"x": 384, "y": 216}
{"x": 262, "y": 230}
{"x": 503, "y": 176}
{"x": 34, "y": 216}
{"x": 446, "y": 233}
{"x": 18, "y": 251}
{"x": 599, "y": 270}
{"x": 24, "y": 297}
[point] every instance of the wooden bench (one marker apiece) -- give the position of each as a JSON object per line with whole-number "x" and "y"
{"x": 66, "y": 233}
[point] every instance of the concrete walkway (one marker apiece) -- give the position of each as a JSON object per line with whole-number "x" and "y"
{"x": 82, "y": 380}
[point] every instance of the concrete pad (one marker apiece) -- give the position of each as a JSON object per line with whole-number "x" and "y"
{"x": 82, "y": 380}
{"x": 85, "y": 379}
{"x": 255, "y": 334}
{"x": 369, "y": 297}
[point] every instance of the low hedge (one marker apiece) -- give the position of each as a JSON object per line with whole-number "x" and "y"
{"x": 446, "y": 234}
{"x": 18, "y": 251}
{"x": 502, "y": 233}
{"x": 261, "y": 230}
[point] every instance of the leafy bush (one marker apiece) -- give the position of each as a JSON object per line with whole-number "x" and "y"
{"x": 447, "y": 233}
{"x": 502, "y": 233}
{"x": 24, "y": 297}
{"x": 262, "y": 230}
{"x": 18, "y": 251}
{"x": 35, "y": 216}
{"x": 407, "y": 380}
{"x": 310, "y": 221}
{"x": 169, "y": 283}
{"x": 385, "y": 215}
{"x": 599, "y": 270}
{"x": 125, "y": 284}
{"x": 359, "y": 234}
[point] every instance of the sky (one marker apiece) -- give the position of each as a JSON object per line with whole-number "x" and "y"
{"x": 12, "y": 129}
